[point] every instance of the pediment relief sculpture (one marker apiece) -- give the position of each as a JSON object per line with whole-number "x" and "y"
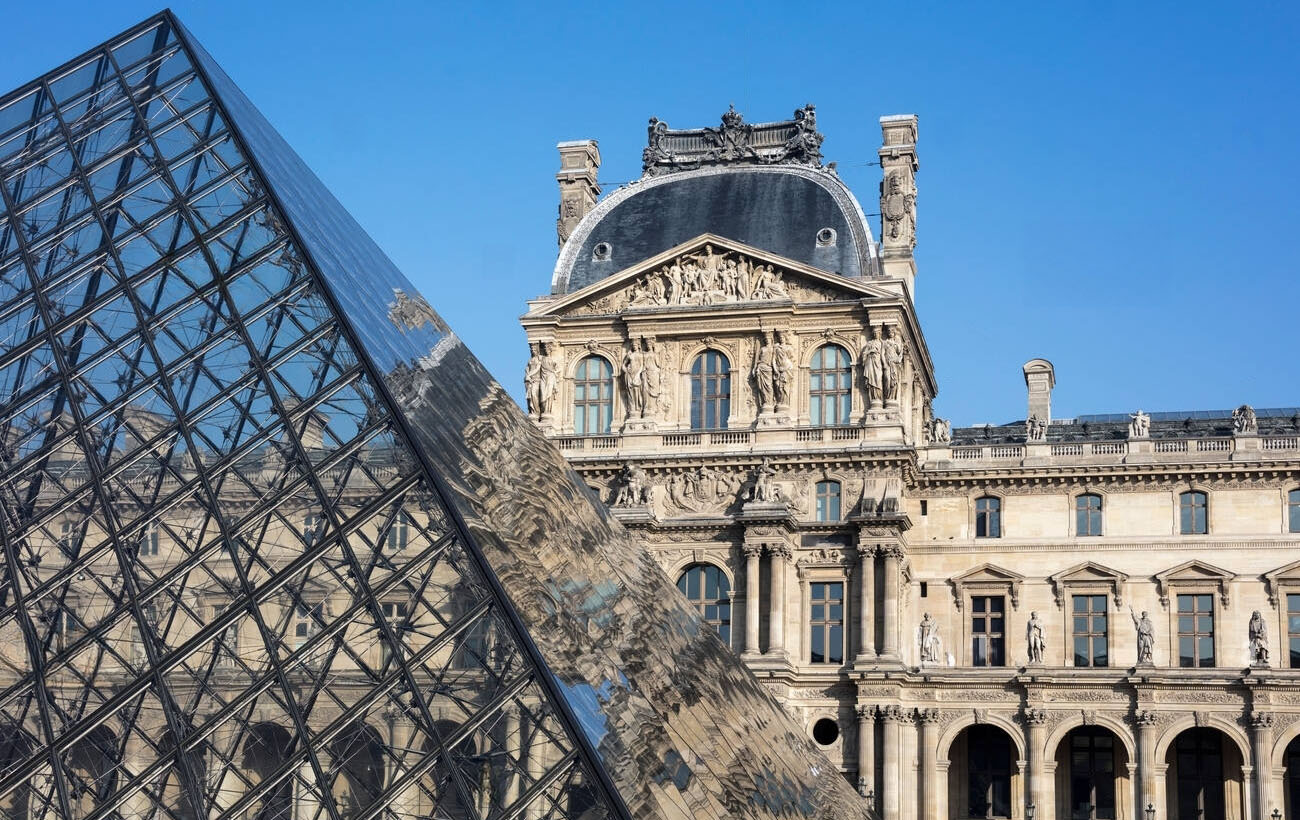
{"x": 712, "y": 275}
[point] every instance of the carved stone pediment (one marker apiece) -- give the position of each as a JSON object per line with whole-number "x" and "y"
{"x": 1194, "y": 573}
{"x": 709, "y": 272}
{"x": 1287, "y": 575}
{"x": 987, "y": 577}
{"x": 1089, "y": 574}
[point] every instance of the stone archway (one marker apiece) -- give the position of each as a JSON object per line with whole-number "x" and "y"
{"x": 16, "y": 746}
{"x": 1290, "y": 782}
{"x": 1092, "y": 780}
{"x": 357, "y": 763}
{"x": 984, "y": 777}
{"x": 266, "y": 750}
{"x": 1204, "y": 777}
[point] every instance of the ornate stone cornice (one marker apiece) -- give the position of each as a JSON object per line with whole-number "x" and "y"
{"x": 733, "y": 142}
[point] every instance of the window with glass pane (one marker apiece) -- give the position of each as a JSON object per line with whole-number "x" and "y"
{"x": 828, "y": 501}
{"x": 593, "y": 397}
{"x": 1293, "y": 629}
{"x": 830, "y": 386}
{"x": 399, "y": 533}
{"x": 827, "y": 622}
{"x": 1293, "y": 511}
{"x": 306, "y": 617}
{"x": 395, "y": 613}
{"x": 705, "y": 586}
{"x": 1192, "y": 513}
{"x": 1091, "y": 647}
{"x": 988, "y": 517}
{"x": 988, "y": 753}
{"x": 311, "y": 524}
{"x": 149, "y": 541}
{"x": 710, "y": 391}
{"x": 1087, "y": 515}
{"x": 1092, "y": 774}
{"x": 988, "y": 630}
{"x": 229, "y": 639}
{"x": 1196, "y": 630}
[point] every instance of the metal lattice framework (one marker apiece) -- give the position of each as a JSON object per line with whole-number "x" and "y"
{"x": 270, "y": 553}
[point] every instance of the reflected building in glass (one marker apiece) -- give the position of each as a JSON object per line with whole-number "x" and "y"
{"x": 275, "y": 545}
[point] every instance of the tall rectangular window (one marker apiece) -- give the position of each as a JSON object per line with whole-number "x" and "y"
{"x": 1091, "y": 647}
{"x": 593, "y": 396}
{"x": 1196, "y": 630}
{"x": 1293, "y": 511}
{"x": 828, "y": 501}
{"x": 149, "y": 541}
{"x": 827, "y": 622}
{"x": 1192, "y": 518}
{"x": 398, "y": 534}
{"x": 988, "y": 630}
{"x": 395, "y": 614}
{"x": 988, "y": 517}
{"x": 306, "y": 620}
{"x": 710, "y": 391}
{"x": 229, "y": 651}
{"x": 1293, "y": 629}
{"x": 1087, "y": 514}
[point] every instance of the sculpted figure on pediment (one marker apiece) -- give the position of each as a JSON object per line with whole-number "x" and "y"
{"x": 705, "y": 278}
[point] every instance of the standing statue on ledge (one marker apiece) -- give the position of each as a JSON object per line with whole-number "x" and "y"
{"x": 764, "y": 374}
{"x": 1035, "y": 638}
{"x": 540, "y": 381}
{"x": 1035, "y": 429}
{"x": 652, "y": 378}
{"x": 634, "y": 487}
{"x": 765, "y": 491}
{"x": 1146, "y": 637}
{"x": 1258, "y": 640}
{"x": 893, "y": 370}
{"x": 941, "y": 431}
{"x": 1244, "y": 420}
{"x": 783, "y": 366}
{"x": 1139, "y": 425}
{"x": 929, "y": 639}
{"x": 634, "y": 381}
{"x": 873, "y": 368}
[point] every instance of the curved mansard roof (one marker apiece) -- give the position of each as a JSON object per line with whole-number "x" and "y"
{"x": 780, "y": 208}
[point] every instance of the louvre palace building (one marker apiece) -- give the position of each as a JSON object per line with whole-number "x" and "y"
{"x": 1071, "y": 618}
{"x": 277, "y": 547}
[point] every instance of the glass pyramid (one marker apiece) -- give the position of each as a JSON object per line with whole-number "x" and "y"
{"x": 276, "y": 547}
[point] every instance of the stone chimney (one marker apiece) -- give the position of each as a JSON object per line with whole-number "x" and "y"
{"x": 898, "y": 167}
{"x": 579, "y": 164}
{"x": 1040, "y": 378}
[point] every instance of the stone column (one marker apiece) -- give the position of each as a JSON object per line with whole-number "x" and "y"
{"x": 892, "y": 780}
{"x": 866, "y": 601}
{"x": 780, "y": 554}
{"x": 1039, "y": 791}
{"x": 406, "y": 801}
{"x": 1261, "y": 724}
{"x": 514, "y": 742}
{"x": 534, "y": 766}
{"x": 927, "y": 781}
{"x": 805, "y": 606}
{"x": 306, "y": 803}
{"x": 137, "y": 806}
{"x": 752, "y": 553}
{"x": 893, "y": 579}
{"x": 1146, "y": 782}
{"x": 867, "y": 752}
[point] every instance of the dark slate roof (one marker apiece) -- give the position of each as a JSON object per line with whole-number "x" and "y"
{"x": 777, "y": 212}
{"x": 1278, "y": 421}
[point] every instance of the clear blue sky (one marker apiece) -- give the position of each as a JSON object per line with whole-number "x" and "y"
{"x": 1111, "y": 186}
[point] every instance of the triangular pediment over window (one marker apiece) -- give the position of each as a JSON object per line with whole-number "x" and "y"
{"x": 987, "y": 577}
{"x": 1194, "y": 573}
{"x": 709, "y": 273}
{"x": 1089, "y": 575}
{"x": 1286, "y": 576}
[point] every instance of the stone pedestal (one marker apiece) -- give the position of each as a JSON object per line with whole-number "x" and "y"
{"x": 640, "y": 426}
{"x": 634, "y": 516}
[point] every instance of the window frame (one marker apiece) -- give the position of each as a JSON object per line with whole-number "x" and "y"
{"x": 1291, "y": 628}
{"x": 704, "y": 405}
{"x": 602, "y": 404}
{"x": 984, "y": 612}
{"x": 1291, "y": 506}
{"x": 994, "y": 509}
{"x": 702, "y": 603}
{"x": 840, "y": 394}
{"x": 1090, "y": 635}
{"x": 827, "y": 624}
{"x": 823, "y": 516}
{"x": 1195, "y": 634}
{"x": 1095, "y": 515}
{"x": 1191, "y": 496}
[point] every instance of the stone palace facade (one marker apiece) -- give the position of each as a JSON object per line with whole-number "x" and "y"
{"x": 1095, "y": 617}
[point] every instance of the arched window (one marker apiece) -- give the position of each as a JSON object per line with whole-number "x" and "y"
{"x": 830, "y": 386}
{"x": 705, "y": 586}
{"x": 1192, "y": 508}
{"x": 988, "y": 517}
{"x": 710, "y": 391}
{"x": 1087, "y": 514}
{"x": 593, "y": 396}
{"x": 1293, "y": 511}
{"x": 828, "y": 501}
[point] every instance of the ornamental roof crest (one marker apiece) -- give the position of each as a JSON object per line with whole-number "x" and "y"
{"x": 733, "y": 142}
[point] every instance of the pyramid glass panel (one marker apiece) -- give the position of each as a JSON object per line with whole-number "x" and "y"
{"x": 276, "y": 547}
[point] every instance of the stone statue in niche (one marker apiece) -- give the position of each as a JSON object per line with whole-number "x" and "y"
{"x": 765, "y": 490}
{"x": 653, "y": 378}
{"x": 634, "y": 487}
{"x": 928, "y": 635}
{"x": 873, "y": 368}
{"x": 1258, "y": 631}
{"x": 1244, "y": 420}
{"x": 1035, "y": 638}
{"x": 1035, "y": 429}
{"x": 634, "y": 381}
{"x": 941, "y": 431}
{"x": 783, "y": 362}
{"x": 1146, "y": 637}
{"x": 764, "y": 374}
{"x": 540, "y": 380}
{"x": 1139, "y": 425}
{"x": 893, "y": 355}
